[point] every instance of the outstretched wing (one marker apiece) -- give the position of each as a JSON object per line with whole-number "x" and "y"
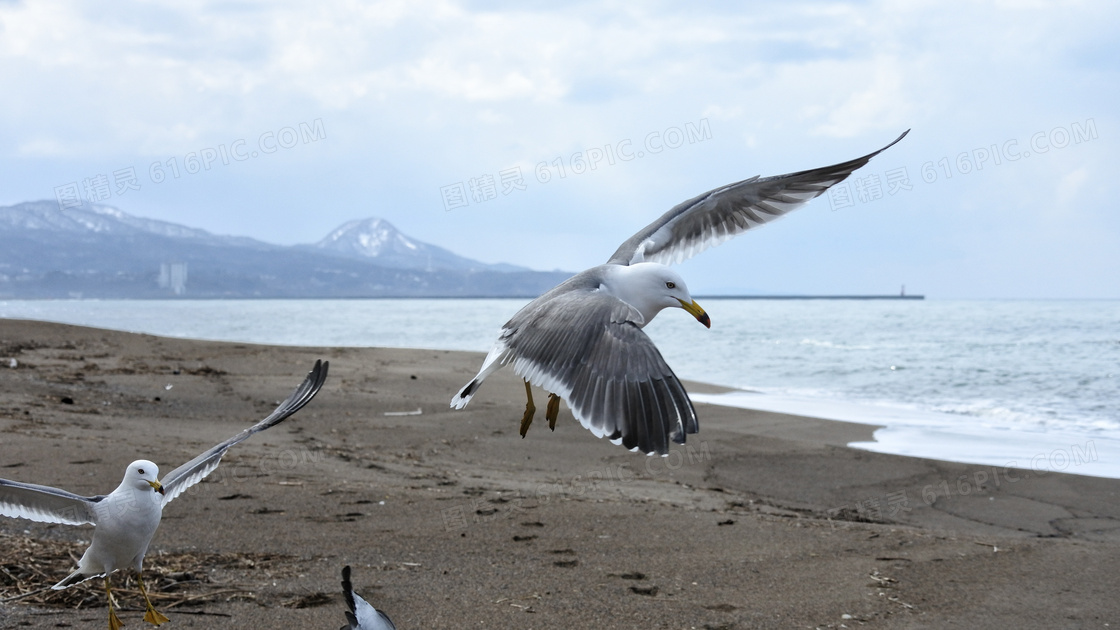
{"x": 46, "y": 504}
{"x": 584, "y": 346}
{"x": 194, "y": 471}
{"x": 717, "y": 215}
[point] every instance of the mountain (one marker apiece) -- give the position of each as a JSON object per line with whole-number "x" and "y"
{"x": 105, "y": 220}
{"x": 96, "y": 251}
{"x": 378, "y": 240}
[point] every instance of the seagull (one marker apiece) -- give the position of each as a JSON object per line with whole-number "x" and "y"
{"x": 127, "y": 518}
{"x": 583, "y": 342}
{"x": 361, "y": 615}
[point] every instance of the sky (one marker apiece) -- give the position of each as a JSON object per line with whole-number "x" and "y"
{"x": 545, "y": 134}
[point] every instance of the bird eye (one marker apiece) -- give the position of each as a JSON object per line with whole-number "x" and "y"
{"x": 140, "y": 470}
{"x": 671, "y": 285}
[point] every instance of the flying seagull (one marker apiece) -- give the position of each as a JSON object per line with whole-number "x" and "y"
{"x": 361, "y": 615}
{"x": 583, "y": 341}
{"x": 126, "y": 518}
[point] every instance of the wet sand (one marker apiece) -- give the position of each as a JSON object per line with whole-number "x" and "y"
{"x": 451, "y": 520}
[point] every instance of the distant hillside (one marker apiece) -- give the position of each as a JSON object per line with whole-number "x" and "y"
{"x": 95, "y": 251}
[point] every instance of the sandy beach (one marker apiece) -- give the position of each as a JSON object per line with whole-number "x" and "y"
{"x": 451, "y": 520}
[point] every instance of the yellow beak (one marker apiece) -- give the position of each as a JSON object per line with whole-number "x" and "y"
{"x": 697, "y": 312}
{"x": 157, "y": 486}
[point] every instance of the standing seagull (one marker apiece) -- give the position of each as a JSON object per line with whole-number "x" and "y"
{"x": 583, "y": 341}
{"x": 361, "y": 616}
{"x": 127, "y": 518}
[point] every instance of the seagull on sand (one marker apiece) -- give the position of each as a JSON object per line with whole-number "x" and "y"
{"x": 126, "y": 519}
{"x": 361, "y": 615}
{"x": 583, "y": 341}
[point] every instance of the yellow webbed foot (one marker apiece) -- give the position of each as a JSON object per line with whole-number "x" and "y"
{"x": 530, "y": 409}
{"x": 527, "y": 419}
{"x": 552, "y": 411}
{"x": 155, "y": 617}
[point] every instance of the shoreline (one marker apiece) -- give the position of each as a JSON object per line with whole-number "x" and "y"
{"x": 760, "y": 520}
{"x": 931, "y": 435}
{"x": 849, "y": 364}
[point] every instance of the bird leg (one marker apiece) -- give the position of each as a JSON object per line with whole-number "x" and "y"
{"x": 530, "y": 409}
{"x": 552, "y": 411}
{"x": 114, "y": 620}
{"x": 153, "y": 616}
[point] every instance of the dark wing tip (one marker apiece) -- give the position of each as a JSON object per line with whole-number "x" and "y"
{"x": 307, "y": 390}
{"x": 347, "y": 588}
{"x": 318, "y": 375}
{"x": 896, "y": 141}
{"x": 844, "y": 169}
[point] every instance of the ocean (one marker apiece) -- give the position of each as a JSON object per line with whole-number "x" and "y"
{"x": 1032, "y": 383}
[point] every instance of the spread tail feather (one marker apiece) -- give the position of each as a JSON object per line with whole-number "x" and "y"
{"x": 76, "y": 577}
{"x": 464, "y": 396}
{"x": 497, "y": 357}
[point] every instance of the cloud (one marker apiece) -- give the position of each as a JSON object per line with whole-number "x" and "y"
{"x": 417, "y": 95}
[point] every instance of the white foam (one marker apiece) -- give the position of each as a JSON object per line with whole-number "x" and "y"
{"x": 932, "y": 435}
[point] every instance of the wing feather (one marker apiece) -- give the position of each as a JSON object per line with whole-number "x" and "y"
{"x": 179, "y": 480}
{"x": 46, "y": 504}
{"x": 717, "y": 215}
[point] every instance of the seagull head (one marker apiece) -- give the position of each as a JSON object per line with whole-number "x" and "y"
{"x": 143, "y": 474}
{"x": 651, "y": 287}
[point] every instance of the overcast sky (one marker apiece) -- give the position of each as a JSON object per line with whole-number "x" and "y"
{"x": 475, "y": 125}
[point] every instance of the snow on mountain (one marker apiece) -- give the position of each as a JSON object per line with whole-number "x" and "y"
{"x": 91, "y": 218}
{"x": 377, "y": 239}
{"x": 368, "y": 237}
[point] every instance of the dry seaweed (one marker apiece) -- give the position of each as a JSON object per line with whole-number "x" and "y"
{"x": 30, "y": 566}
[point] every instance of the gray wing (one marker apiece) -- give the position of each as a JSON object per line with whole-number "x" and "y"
{"x": 46, "y": 504}
{"x": 717, "y": 215}
{"x": 361, "y": 616}
{"x": 194, "y": 471}
{"x": 584, "y": 346}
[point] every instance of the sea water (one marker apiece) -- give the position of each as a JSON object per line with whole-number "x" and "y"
{"x": 1033, "y": 384}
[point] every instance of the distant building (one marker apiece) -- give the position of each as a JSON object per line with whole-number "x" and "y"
{"x": 173, "y": 276}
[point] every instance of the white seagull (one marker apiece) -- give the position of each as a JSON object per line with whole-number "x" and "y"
{"x": 126, "y": 518}
{"x": 583, "y": 341}
{"x": 361, "y": 615}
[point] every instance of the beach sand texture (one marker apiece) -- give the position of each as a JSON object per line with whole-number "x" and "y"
{"x": 450, "y": 520}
